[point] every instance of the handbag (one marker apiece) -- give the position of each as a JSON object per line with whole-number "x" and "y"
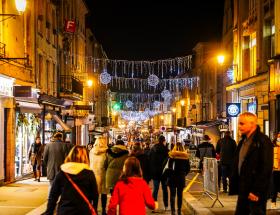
{"x": 81, "y": 193}
{"x": 167, "y": 172}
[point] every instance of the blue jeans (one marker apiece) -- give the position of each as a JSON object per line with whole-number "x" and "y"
{"x": 164, "y": 191}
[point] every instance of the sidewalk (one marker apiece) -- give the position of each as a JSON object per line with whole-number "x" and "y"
{"x": 202, "y": 204}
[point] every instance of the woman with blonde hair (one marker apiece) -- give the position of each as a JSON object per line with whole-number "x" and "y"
{"x": 178, "y": 162}
{"x": 75, "y": 184}
{"x": 131, "y": 192}
{"x": 97, "y": 156}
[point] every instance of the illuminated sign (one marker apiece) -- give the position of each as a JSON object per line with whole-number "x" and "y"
{"x": 6, "y": 86}
{"x": 70, "y": 26}
{"x": 233, "y": 109}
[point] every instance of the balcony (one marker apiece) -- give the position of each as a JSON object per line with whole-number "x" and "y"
{"x": 71, "y": 87}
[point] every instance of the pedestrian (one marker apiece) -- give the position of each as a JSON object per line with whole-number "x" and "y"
{"x": 276, "y": 171}
{"x": 115, "y": 157}
{"x": 131, "y": 193}
{"x": 158, "y": 157}
{"x": 97, "y": 156}
{"x": 252, "y": 168}
{"x": 143, "y": 158}
{"x": 205, "y": 149}
{"x": 54, "y": 155}
{"x": 179, "y": 163}
{"x": 35, "y": 157}
{"x": 75, "y": 184}
{"x": 226, "y": 150}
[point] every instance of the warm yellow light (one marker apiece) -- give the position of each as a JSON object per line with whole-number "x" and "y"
{"x": 114, "y": 113}
{"x": 152, "y": 119}
{"x": 161, "y": 117}
{"x": 182, "y": 102}
{"x": 20, "y": 5}
{"x": 221, "y": 59}
{"x": 89, "y": 83}
{"x": 174, "y": 110}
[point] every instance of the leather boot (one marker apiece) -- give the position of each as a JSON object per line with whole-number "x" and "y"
{"x": 35, "y": 176}
{"x": 38, "y": 175}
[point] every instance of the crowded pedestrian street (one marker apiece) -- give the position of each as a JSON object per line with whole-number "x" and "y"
{"x": 139, "y": 107}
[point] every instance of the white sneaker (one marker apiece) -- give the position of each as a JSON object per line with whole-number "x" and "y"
{"x": 273, "y": 205}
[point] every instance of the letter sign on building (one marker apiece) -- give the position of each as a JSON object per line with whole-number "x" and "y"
{"x": 233, "y": 109}
{"x": 70, "y": 26}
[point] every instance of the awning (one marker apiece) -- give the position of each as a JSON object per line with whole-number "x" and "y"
{"x": 29, "y": 107}
{"x": 61, "y": 123}
{"x": 51, "y": 100}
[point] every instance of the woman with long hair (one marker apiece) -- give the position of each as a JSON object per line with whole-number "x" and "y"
{"x": 74, "y": 171}
{"x": 179, "y": 162}
{"x": 131, "y": 192}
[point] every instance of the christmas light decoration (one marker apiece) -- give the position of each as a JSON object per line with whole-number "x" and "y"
{"x": 153, "y": 80}
{"x": 105, "y": 78}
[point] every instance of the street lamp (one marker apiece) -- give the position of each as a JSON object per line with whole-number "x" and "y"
{"x": 89, "y": 83}
{"x": 182, "y": 102}
{"x": 221, "y": 59}
{"x": 20, "y": 5}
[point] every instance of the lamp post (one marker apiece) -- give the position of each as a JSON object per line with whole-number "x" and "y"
{"x": 20, "y": 5}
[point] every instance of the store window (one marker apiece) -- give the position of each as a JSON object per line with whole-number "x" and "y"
{"x": 27, "y": 126}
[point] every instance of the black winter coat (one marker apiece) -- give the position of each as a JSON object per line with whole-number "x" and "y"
{"x": 71, "y": 202}
{"x": 256, "y": 169}
{"x": 157, "y": 157}
{"x": 226, "y": 148}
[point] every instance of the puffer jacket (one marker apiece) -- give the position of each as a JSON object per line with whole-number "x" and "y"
{"x": 116, "y": 156}
{"x": 71, "y": 202}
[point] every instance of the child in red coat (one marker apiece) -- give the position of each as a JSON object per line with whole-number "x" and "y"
{"x": 131, "y": 193}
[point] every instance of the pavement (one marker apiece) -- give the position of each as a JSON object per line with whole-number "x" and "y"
{"x": 29, "y": 197}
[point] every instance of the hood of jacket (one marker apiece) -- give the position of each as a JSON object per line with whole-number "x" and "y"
{"x": 74, "y": 168}
{"x": 97, "y": 149}
{"x": 117, "y": 151}
{"x": 178, "y": 155}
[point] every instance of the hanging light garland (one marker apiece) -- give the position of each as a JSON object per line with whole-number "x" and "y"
{"x": 128, "y": 104}
{"x": 166, "y": 94}
{"x": 105, "y": 78}
{"x": 153, "y": 80}
{"x": 156, "y": 104}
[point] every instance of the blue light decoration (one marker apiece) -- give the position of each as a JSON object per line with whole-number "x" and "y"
{"x": 156, "y": 104}
{"x": 153, "y": 80}
{"x": 166, "y": 94}
{"x": 105, "y": 78}
{"x": 230, "y": 75}
{"x": 128, "y": 104}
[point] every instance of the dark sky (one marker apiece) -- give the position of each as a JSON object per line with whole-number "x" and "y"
{"x": 151, "y": 30}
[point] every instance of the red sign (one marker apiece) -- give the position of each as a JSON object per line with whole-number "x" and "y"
{"x": 70, "y": 26}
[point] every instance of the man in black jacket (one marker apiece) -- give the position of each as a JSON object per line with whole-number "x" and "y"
{"x": 226, "y": 149}
{"x": 252, "y": 167}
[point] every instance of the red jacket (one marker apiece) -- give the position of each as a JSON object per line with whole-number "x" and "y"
{"x": 132, "y": 197}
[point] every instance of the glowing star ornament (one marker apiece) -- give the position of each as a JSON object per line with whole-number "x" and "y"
{"x": 166, "y": 94}
{"x": 105, "y": 78}
{"x": 129, "y": 104}
{"x": 153, "y": 80}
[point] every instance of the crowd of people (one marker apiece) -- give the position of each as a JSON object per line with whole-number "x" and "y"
{"x": 80, "y": 177}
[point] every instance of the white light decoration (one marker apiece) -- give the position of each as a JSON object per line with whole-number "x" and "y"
{"x": 105, "y": 78}
{"x": 166, "y": 94}
{"x": 156, "y": 104}
{"x": 129, "y": 104}
{"x": 153, "y": 80}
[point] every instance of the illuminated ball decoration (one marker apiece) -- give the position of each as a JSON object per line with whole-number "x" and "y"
{"x": 153, "y": 80}
{"x": 156, "y": 104}
{"x": 105, "y": 78}
{"x": 128, "y": 104}
{"x": 166, "y": 94}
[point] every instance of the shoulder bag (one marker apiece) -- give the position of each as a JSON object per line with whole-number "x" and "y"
{"x": 81, "y": 193}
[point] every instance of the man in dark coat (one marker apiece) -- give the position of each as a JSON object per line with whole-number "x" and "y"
{"x": 205, "y": 149}
{"x": 226, "y": 149}
{"x": 158, "y": 157}
{"x": 252, "y": 167}
{"x": 54, "y": 155}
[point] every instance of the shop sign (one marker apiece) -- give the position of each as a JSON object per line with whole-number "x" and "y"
{"x": 70, "y": 26}
{"x": 22, "y": 91}
{"x": 252, "y": 107}
{"x": 6, "y": 86}
{"x": 233, "y": 109}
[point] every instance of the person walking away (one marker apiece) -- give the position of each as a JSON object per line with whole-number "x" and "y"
{"x": 143, "y": 158}
{"x": 158, "y": 157}
{"x": 276, "y": 171}
{"x": 205, "y": 149}
{"x": 35, "y": 156}
{"x": 131, "y": 192}
{"x": 179, "y": 162}
{"x": 97, "y": 156}
{"x": 75, "y": 170}
{"x": 54, "y": 155}
{"x": 226, "y": 150}
{"x": 252, "y": 168}
{"x": 115, "y": 157}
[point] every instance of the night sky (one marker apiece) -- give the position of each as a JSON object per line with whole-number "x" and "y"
{"x": 152, "y": 30}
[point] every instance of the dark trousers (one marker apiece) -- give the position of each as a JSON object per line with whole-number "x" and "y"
{"x": 103, "y": 202}
{"x": 276, "y": 185}
{"x": 164, "y": 191}
{"x": 226, "y": 171}
{"x": 246, "y": 207}
{"x": 173, "y": 196}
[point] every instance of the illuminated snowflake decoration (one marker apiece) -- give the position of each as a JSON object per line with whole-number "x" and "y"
{"x": 156, "y": 104}
{"x": 105, "y": 78}
{"x": 128, "y": 104}
{"x": 153, "y": 80}
{"x": 166, "y": 94}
